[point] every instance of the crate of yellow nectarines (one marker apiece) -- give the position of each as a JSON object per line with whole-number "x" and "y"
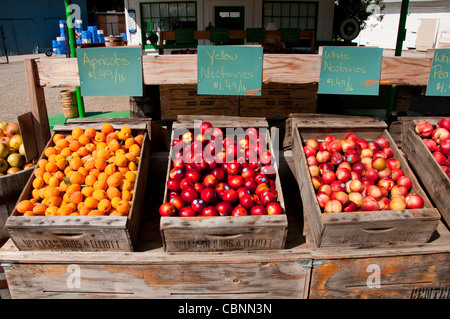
{"x": 222, "y": 189}
{"x": 427, "y": 147}
{"x": 357, "y": 188}
{"x": 86, "y": 191}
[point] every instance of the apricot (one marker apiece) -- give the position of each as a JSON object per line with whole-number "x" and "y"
{"x": 96, "y": 212}
{"x": 91, "y": 202}
{"x": 75, "y": 163}
{"x": 53, "y": 181}
{"x": 121, "y": 161}
{"x": 74, "y": 145}
{"x": 35, "y": 193}
{"x": 62, "y": 143}
{"x": 83, "y": 151}
{"x": 76, "y": 178}
{"x": 73, "y": 188}
{"x": 89, "y": 164}
{"x": 65, "y": 210}
{"x": 139, "y": 139}
{"x": 126, "y": 195}
{"x": 115, "y": 201}
{"x": 114, "y": 145}
{"x": 110, "y": 169}
{"x": 61, "y": 163}
{"x": 39, "y": 172}
{"x": 114, "y": 180}
{"x": 77, "y": 132}
{"x": 104, "y": 205}
{"x": 42, "y": 162}
{"x": 49, "y": 151}
{"x": 100, "y": 163}
{"x": 112, "y": 192}
{"x": 84, "y": 210}
{"x": 38, "y": 182}
{"x": 46, "y": 177}
{"x": 24, "y": 206}
{"x": 83, "y": 171}
{"x": 39, "y": 209}
{"x": 123, "y": 206}
{"x": 135, "y": 150}
{"x": 100, "y": 137}
{"x": 90, "y": 132}
{"x": 130, "y": 176}
{"x": 99, "y": 194}
{"x": 103, "y": 153}
{"x": 76, "y": 197}
{"x": 66, "y": 152}
{"x": 87, "y": 191}
{"x": 57, "y": 137}
{"x": 90, "y": 180}
{"x": 107, "y": 128}
{"x": 54, "y": 201}
{"x": 29, "y": 213}
{"x": 51, "y": 211}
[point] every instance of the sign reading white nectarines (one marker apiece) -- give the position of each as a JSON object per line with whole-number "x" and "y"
{"x": 217, "y": 174}
{"x": 354, "y": 174}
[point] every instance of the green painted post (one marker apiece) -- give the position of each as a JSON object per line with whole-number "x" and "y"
{"x": 401, "y": 35}
{"x": 73, "y": 53}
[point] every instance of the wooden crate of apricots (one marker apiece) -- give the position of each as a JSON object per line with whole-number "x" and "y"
{"x": 86, "y": 192}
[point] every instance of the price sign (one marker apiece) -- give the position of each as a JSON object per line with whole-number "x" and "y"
{"x": 350, "y": 70}
{"x": 439, "y": 78}
{"x": 229, "y": 70}
{"x": 115, "y": 71}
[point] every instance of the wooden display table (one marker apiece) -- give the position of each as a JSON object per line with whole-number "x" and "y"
{"x": 298, "y": 271}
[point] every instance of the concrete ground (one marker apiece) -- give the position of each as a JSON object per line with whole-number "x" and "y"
{"x": 14, "y": 99}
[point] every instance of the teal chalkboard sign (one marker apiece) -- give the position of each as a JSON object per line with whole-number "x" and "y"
{"x": 350, "y": 70}
{"x": 229, "y": 70}
{"x": 439, "y": 78}
{"x": 115, "y": 71}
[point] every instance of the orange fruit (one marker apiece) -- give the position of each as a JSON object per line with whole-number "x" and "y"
{"x": 101, "y": 145}
{"x": 76, "y": 197}
{"x": 49, "y": 151}
{"x": 123, "y": 206}
{"x": 63, "y": 186}
{"x": 114, "y": 145}
{"x": 125, "y": 185}
{"x": 51, "y": 191}
{"x": 42, "y": 162}
{"x": 46, "y": 177}
{"x": 112, "y": 136}
{"x": 87, "y": 191}
{"x": 120, "y": 151}
{"x": 54, "y": 201}
{"x": 132, "y": 166}
{"x": 121, "y": 161}
{"x": 61, "y": 163}
{"x": 114, "y": 212}
{"x": 126, "y": 195}
{"x": 90, "y": 180}
{"x": 84, "y": 210}
{"x": 77, "y": 132}
{"x": 90, "y": 132}
{"x": 24, "y": 206}
{"x": 113, "y": 192}
{"x": 38, "y": 182}
{"x": 83, "y": 151}
{"x": 102, "y": 176}
{"x": 99, "y": 194}
{"x": 90, "y": 147}
{"x": 90, "y": 202}
{"x": 83, "y": 171}
{"x": 74, "y": 145}
{"x": 51, "y": 211}
{"x": 57, "y": 137}
{"x": 75, "y": 163}
{"x": 100, "y": 163}
{"x": 103, "y": 153}
{"x": 62, "y": 143}
{"x": 73, "y": 188}
{"x": 107, "y": 128}
{"x": 104, "y": 205}
{"x": 39, "y": 209}
{"x": 29, "y": 213}
{"x": 35, "y": 193}
{"x": 51, "y": 167}
{"x": 135, "y": 150}
{"x": 59, "y": 175}
{"x": 95, "y": 172}
{"x": 115, "y": 201}
{"x": 114, "y": 180}
{"x": 110, "y": 169}
{"x": 39, "y": 172}
{"x": 66, "y": 152}
{"x": 76, "y": 177}
{"x": 89, "y": 164}
{"x": 53, "y": 181}
{"x": 128, "y": 142}
{"x": 83, "y": 139}
{"x": 139, "y": 139}
{"x": 100, "y": 137}
{"x": 96, "y": 212}
{"x": 64, "y": 210}
{"x": 131, "y": 176}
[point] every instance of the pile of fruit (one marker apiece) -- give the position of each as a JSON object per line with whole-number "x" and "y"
{"x": 87, "y": 172}
{"x": 353, "y": 174}
{"x": 437, "y": 140}
{"x": 214, "y": 175}
{"x": 12, "y": 152}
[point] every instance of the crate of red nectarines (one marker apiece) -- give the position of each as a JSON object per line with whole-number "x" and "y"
{"x": 427, "y": 147}
{"x": 222, "y": 190}
{"x": 357, "y": 188}
{"x": 86, "y": 191}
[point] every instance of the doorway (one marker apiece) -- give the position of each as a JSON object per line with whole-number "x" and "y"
{"x": 231, "y": 17}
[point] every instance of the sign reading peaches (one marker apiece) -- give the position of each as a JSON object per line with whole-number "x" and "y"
{"x": 439, "y": 78}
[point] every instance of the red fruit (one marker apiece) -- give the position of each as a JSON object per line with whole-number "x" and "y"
{"x": 247, "y": 201}
{"x": 326, "y": 167}
{"x": 387, "y": 183}
{"x": 357, "y": 198}
{"x": 317, "y": 181}
{"x": 198, "y": 205}
{"x": 167, "y": 210}
{"x": 177, "y": 201}
{"x": 274, "y": 208}
{"x": 352, "y": 136}
{"x": 440, "y": 134}
{"x": 193, "y": 175}
{"x": 189, "y": 194}
{"x": 363, "y": 143}
{"x": 269, "y": 171}
{"x": 384, "y": 203}
{"x": 210, "y": 211}
{"x": 445, "y": 147}
{"x": 173, "y": 184}
{"x": 389, "y": 152}
{"x": 337, "y": 186}
{"x": 445, "y": 123}
{"x": 343, "y": 174}
{"x": 352, "y": 157}
{"x": 372, "y": 173}
{"x": 309, "y": 151}
{"x": 187, "y": 211}
{"x": 312, "y": 160}
{"x": 230, "y": 195}
{"x": 314, "y": 143}
{"x": 336, "y": 158}
{"x": 396, "y": 173}
{"x": 399, "y": 190}
{"x": 234, "y": 168}
{"x": 235, "y": 181}
{"x": 219, "y": 173}
{"x": 247, "y": 172}
{"x": 384, "y": 173}
{"x": 334, "y": 146}
{"x": 266, "y": 198}
{"x": 347, "y": 145}
{"x": 198, "y": 187}
{"x": 322, "y": 198}
{"x": 221, "y": 188}
{"x": 340, "y": 196}
{"x": 186, "y": 182}
{"x": 258, "y": 210}
{"x": 239, "y": 211}
{"x": 393, "y": 163}
{"x": 414, "y": 201}
{"x": 397, "y": 203}
{"x": 374, "y": 147}
{"x": 210, "y": 181}
{"x": 266, "y": 158}
{"x": 176, "y": 173}
{"x": 12, "y": 129}
{"x": 383, "y": 142}
{"x": 424, "y": 129}
{"x": 261, "y": 178}
{"x": 328, "y": 177}
{"x": 204, "y": 126}
{"x": 350, "y": 207}
{"x": 405, "y": 181}
{"x": 323, "y": 156}
{"x": 250, "y": 184}
{"x": 370, "y": 204}
{"x": 224, "y": 208}
{"x": 208, "y": 194}
{"x": 430, "y": 144}
{"x": 439, "y": 157}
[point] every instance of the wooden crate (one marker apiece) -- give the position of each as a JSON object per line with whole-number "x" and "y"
{"x": 398, "y": 129}
{"x": 183, "y": 99}
{"x": 201, "y": 234}
{"x": 82, "y": 233}
{"x": 10, "y": 188}
{"x": 433, "y": 178}
{"x": 360, "y": 229}
{"x": 278, "y": 100}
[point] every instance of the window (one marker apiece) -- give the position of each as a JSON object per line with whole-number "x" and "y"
{"x": 166, "y": 16}
{"x": 291, "y": 14}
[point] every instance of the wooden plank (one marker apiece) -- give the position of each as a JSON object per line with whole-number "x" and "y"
{"x": 398, "y": 129}
{"x": 38, "y": 107}
{"x": 360, "y": 229}
{"x": 405, "y": 277}
{"x": 433, "y": 178}
{"x": 277, "y": 68}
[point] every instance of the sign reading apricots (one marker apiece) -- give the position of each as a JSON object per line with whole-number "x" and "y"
{"x": 229, "y": 70}
{"x": 350, "y": 70}
{"x": 115, "y": 71}
{"x": 439, "y": 78}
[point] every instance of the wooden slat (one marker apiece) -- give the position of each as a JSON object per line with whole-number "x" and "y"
{"x": 277, "y": 68}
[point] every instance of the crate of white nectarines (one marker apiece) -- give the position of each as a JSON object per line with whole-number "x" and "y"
{"x": 222, "y": 190}
{"x": 427, "y": 147}
{"x": 357, "y": 188}
{"x": 86, "y": 191}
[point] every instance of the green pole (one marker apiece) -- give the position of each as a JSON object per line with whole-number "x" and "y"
{"x": 73, "y": 53}
{"x": 401, "y": 35}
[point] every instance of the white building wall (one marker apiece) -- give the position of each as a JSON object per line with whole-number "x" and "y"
{"x": 253, "y": 16}
{"x": 384, "y": 34}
